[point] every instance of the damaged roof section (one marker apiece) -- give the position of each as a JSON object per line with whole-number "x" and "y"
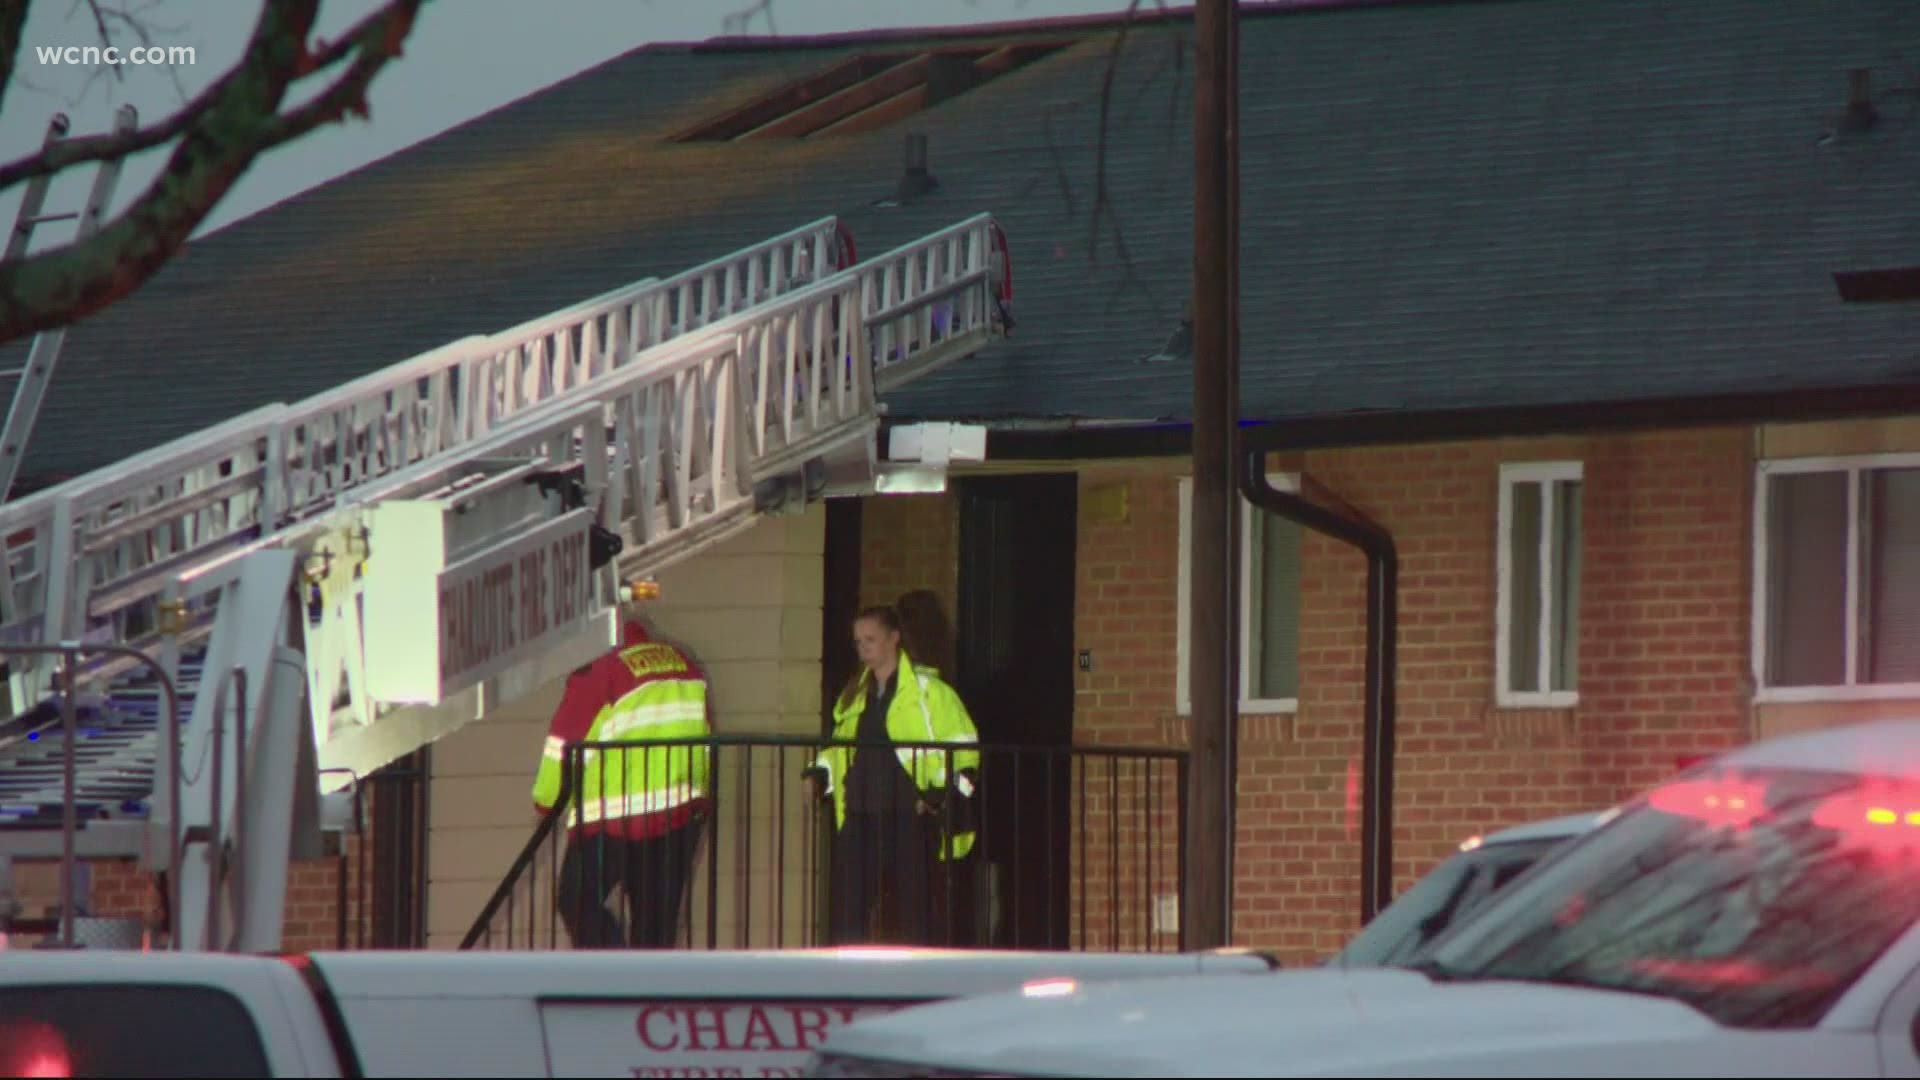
{"x": 1478, "y": 204}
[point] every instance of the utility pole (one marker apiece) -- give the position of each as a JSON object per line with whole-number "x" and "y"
{"x": 1214, "y": 551}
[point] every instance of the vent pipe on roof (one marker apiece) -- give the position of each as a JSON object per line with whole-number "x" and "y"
{"x": 918, "y": 179}
{"x": 1860, "y": 111}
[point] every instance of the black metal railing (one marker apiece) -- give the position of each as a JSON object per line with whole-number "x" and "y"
{"x": 1070, "y": 848}
{"x": 380, "y": 866}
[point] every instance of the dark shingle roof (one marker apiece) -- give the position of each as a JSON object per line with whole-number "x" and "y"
{"x": 1469, "y": 204}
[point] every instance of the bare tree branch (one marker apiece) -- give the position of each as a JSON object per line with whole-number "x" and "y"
{"x": 79, "y": 151}
{"x": 139, "y": 27}
{"x": 220, "y": 135}
{"x": 378, "y": 42}
{"x": 738, "y": 22}
{"x": 13, "y": 16}
{"x": 1102, "y": 199}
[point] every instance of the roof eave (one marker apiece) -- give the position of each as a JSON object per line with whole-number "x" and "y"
{"x": 1068, "y": 439}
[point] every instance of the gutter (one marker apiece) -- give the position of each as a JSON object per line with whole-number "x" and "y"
{"x": 1352, "y": 527}
{"x": 1042, "y": 440}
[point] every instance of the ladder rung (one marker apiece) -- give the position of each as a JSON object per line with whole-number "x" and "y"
{"x": 12, "y": 372}
{"x": 39, "y": 218}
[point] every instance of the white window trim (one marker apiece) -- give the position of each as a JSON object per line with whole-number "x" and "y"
{"x": 1183, "y": 701}
{"x": 1764, "y": 694}
{"x": 1523, "y": 473}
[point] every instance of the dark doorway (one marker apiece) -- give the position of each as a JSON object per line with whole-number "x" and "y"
{"x": 1015, "y": 663}
{"x": 838, "y": 662}
{"x": 841, "y": 603}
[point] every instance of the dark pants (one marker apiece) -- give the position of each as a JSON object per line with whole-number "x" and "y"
{"x": 655, "y": 874}
{"x": 886, "y": 858}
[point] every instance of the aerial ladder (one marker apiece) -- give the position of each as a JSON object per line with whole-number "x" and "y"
{"x": 290, "y": 580}
{"x": 31, "y": 379}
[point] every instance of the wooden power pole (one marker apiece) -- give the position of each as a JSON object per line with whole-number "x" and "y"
{"x": 1206, "y": 916}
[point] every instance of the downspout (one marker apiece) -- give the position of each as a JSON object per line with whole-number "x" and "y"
{"x": 1383, "y": 619}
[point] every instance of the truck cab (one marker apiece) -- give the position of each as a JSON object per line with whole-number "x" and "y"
{"x": 618, "y": 1013}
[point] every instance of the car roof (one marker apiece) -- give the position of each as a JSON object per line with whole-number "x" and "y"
{"x": 1559, "y": 828}
{"x": 1878, "y": 747}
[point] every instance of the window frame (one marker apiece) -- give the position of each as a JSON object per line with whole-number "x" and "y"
{"x": 1183, "y": 591}
{"x": 1854, "y": 465}
{"x": 1546, "y": 474}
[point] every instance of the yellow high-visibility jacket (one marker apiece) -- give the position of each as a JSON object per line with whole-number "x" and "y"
{"x": 924, "y": 710}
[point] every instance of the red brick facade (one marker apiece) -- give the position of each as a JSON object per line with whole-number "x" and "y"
{"x": 120, "y": 890}
{"x": 1662, "y": 655}
{"x": 1663, "y": 645}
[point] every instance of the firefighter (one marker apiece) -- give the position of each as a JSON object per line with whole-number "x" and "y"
{"x": 895, "y": 815}
{"x": 637, "y": 817}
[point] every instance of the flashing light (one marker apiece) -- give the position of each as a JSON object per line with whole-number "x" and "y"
{"x": 1872, "y": 818}
{"x": 1472, "y": 843}
{"x": 46, "y": 1065}
{"x": 1729, "y": 803}
{"x": 34, "y": 1049}
{"x": 1049, "y": 988}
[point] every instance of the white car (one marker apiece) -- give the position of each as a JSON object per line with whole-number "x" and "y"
{"x": 1756, "y": 916}
{"x": 1457, "y": 888}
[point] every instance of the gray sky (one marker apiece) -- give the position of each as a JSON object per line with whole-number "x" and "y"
{"x": 464, "y": 58}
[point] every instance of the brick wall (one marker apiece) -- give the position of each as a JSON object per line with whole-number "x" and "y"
{"x": 908, "y": 542}
{"x": 121, "y": 890}
{"x": 1664, "y": 597}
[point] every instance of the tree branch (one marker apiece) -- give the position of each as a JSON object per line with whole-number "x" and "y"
{"x": 1102, "y": 202}
{"x": 78, "y": 151}
{"x": 368, "y": 34}
{"x": 378, "y": 41}
{"x": 241, "y": 117}
{"x": 13, "y": 16}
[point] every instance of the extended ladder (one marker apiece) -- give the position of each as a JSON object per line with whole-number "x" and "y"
{"x": 31, "y": 388}
{"x": 675, "y": 412}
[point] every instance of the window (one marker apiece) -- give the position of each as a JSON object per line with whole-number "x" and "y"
{"x": 1269, "y": 606}
{"x": 91, "y": 1029}
{"x": 1837, "y": 578}
{"x": 1538, "y": 609}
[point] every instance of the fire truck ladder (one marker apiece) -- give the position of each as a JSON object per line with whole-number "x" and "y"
{"x": 269, "y": 562}
{"x": 31, "y": 388}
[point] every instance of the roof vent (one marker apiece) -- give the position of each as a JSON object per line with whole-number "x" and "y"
{"x": 1860, "y": 111}
{"x": 1861, "y": 114}
{"x": 918, "y": 180}
{"x": 868, "y": 91}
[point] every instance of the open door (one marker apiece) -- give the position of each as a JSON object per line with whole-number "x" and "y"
{"x": 1015, "y": 660}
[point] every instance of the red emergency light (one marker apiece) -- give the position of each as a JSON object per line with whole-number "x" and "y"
{"x": 1873, "y": 818}
{"x": 1730, "y": 802}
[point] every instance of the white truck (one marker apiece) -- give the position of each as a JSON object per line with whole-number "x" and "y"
{"x": 589, "y": 1013}
{"x": 1757, "y": 916}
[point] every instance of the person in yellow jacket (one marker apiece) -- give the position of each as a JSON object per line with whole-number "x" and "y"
{"x": 638, "y": 816}
{"x": 899, "y": 809}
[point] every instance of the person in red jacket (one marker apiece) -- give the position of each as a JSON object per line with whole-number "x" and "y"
{"x": 640, "y": 808}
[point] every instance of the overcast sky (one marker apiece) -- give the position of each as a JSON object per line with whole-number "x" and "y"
{"x": 464, "y": 58}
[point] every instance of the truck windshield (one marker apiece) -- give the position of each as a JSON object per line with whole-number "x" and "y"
{"x": 1757, "y": 898}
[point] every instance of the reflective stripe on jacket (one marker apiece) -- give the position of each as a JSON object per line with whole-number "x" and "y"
{"x": 924, "y": 710}
{"x": 637, "y": 696}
